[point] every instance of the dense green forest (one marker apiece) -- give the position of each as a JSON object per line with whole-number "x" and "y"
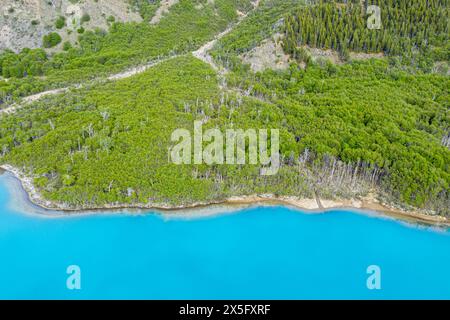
{"x": 84, "y": 151}
{"x": 26, "y": 63}
{"x": 415, "y": 31}
{"x": 99, "y": 52}
{"x": 346, "y": 129}
{"x": 146, "y": 8}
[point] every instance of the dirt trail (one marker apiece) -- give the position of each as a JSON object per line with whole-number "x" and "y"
{"x": 140, "y": 69}
{"x": 202, "y": 53}
{"x": 122, "y": 75}
{"x": 163, "y": 9}
{"x": 32, "y": 98}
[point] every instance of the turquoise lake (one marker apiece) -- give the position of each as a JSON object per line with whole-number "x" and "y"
{"x": 253, "y": 253}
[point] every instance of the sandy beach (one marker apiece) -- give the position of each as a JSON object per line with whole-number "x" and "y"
{"x": 368, "y": 204}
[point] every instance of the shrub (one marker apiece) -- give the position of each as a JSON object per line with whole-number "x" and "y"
{"x": 51, "y": 40}
{"x": 85, "y": 18}
{"x": 60, "y": 22}
{"x": 67, "y": 46}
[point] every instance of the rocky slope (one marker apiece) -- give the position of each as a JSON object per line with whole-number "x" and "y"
{"x": 23, "y": 23}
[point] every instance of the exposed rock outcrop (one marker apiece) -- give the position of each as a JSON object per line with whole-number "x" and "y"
{"x": 23, "y": 23}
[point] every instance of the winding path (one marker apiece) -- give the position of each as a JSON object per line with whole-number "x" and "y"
{"x": 163, "y": 9}
{"x": 202, "y": 53}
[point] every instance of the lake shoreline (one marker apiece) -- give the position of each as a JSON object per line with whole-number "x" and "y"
{"x": 315, "y": 206}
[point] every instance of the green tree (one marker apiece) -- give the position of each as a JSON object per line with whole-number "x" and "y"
{"x": 51, "y": 40}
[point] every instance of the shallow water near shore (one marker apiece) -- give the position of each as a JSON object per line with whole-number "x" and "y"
{"x": 254, "y": 253}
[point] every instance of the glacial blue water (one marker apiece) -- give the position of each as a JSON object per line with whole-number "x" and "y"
{"x": 255, "y": 253}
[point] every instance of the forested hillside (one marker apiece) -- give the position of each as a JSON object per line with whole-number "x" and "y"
{"x": 346, "y": 129}
{"x": 415, "y": 31}
{"x": 189, "y": 24}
